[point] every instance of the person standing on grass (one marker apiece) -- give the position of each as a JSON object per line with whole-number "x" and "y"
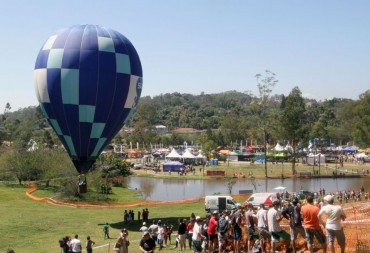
{"x": 311, "y": 224}
{"x": 106, "y": 230}
{"x": 160, "y": 235}
{"x": 334, "y": 215}
{"x": 64, "y": 248}
{"x": 181, "y": 233}
{"x": 76, "y": 245}
{"x": 89, "y": 244}
{"x": 147, "y": 244}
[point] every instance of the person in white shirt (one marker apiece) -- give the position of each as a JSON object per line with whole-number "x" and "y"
{"x": 197, "y": 235}
{"x": 76, "y": 245}
{"x": 334, "y": 215}
{"x": 262, "y": 226}
{"x": 277, "y": 233}
{"x": 144, "y": 227}
{"x": 160, "y": 234}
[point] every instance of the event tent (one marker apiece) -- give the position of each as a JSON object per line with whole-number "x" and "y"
{"x": 173, "y": 154}
{"x": 278, "y": 147}
{"x": 172, "y": 166}
{"x": 188, "y": 155}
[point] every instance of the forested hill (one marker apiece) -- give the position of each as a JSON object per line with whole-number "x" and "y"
{"x": 240, "y": 115}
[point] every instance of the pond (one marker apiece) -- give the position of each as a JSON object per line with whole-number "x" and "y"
{"x": 176, "y": 189}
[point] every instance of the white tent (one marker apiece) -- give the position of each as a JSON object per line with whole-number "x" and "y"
{"x": 188, "y": 155}
{"x": 288, "y": 147}
{"x": 278, "y": 147}
{"x": 200, "y": 156}
{"x": 173, "y": 154}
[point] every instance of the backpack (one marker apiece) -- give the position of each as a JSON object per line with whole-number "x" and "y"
{"x": 222, "y": 225}
{"x": 296, "y": 219}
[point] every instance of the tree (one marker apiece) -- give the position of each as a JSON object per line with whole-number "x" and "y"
{"x": 293, "y": 127}
{"x": 361, "y": 123}
{"x": 265, "y": 85}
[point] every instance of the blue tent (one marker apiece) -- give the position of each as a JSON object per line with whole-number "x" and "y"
{"x": 172, "y": 166}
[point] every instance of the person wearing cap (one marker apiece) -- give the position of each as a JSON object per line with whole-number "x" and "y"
{"x": 277, "y": 233}
{"x": 311, "y": 224}
{"x": 212, "y": 231}
{"x": 160, "y": 235}
{"x": 334, "y": 229}
{"x": 295, "y": 223}
{"x": 263, "y": 232}
{"x": 251, "y": 218}
{"x": 143, "y": 227}
{"x": 147, "y": 243}
{"x": 197, "y": 235}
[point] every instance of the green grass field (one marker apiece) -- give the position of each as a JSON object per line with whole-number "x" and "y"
{"x": 30, "y": 226}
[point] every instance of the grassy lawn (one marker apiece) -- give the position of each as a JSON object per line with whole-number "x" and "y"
{"x": 31, "y": 226}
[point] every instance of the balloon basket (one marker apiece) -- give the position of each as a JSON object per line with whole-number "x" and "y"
{"x": 82, "y": 188}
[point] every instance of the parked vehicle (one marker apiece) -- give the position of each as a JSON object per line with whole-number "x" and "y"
{"x": 265, "y": 198}
{"x": 302, "y": 194}
{"x": 220, "y": 203}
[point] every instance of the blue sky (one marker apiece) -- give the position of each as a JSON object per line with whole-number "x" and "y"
{"x": 210, "y": 46}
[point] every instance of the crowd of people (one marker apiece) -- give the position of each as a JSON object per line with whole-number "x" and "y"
{"x": 69, "y": 245}
{"x": 251, "y": 229}
{"x": 246, "y": 229}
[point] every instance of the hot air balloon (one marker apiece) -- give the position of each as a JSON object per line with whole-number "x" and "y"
{"x": 88, "y": 80}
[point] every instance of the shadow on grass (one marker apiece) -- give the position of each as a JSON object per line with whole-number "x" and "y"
{"x": 135, "y": 225}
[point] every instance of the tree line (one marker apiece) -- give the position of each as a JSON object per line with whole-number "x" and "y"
{"x": 225, "y": 118}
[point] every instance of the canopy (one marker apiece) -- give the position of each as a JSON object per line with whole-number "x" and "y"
{"x": 200, "y": 156}
{"x": 173, "y": 154}
{"x": 278, "y": 147}
{"x": 188, "y": 155}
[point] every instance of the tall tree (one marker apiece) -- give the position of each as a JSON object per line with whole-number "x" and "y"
{"x": 265, "y": 84}
{"x": 293, "y": 127}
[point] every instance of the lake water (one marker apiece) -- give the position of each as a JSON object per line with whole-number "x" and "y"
{"x": 175, "y": 189}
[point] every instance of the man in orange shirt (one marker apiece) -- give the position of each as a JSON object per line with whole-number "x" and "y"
{"x": 312, "y": 225}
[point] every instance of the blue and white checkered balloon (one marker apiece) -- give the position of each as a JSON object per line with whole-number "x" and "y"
{"x": 88, "y": 80}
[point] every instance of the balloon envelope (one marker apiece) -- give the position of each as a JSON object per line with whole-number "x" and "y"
{"x": 88, "y": 81}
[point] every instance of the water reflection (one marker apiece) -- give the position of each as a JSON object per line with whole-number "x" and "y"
{"x": 173, "y": 189}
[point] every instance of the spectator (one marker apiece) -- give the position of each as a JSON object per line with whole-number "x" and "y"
{"x": 334, "y": 216}
{"x": 181, "y": 234}
{"x": 76, "y": 245}
{"x": 277, "y": 233}
{"x": 264, "y": 235}
{"x": 311, "y": 224}
{"x": 212, "y": 232}
{"x": 251, "y": 224}
{"x": 147, "y": 243}
{"x": 293, "y": 214}
{"x": 89, "y": 244}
